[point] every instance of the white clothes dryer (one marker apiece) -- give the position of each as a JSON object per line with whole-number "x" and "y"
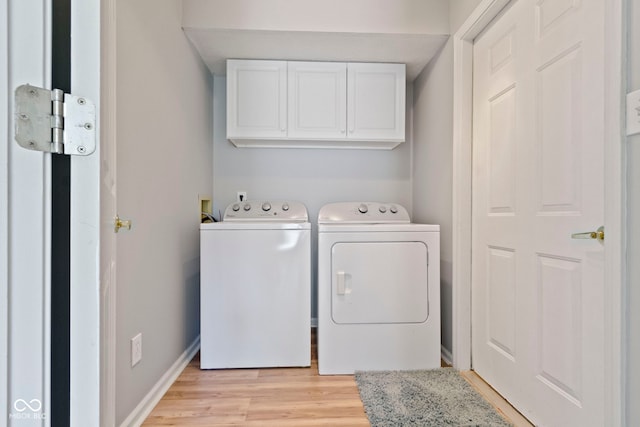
{"x": 378, "y": 289}
{"x": 255, "y": 287}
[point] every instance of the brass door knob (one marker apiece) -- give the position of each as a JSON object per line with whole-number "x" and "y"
{"x": 598, "y": 234}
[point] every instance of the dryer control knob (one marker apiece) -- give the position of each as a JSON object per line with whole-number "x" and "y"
{"x": 235, "y": 207}
{"x": 382, "y": 209}
{"x": 266, "y": 207}
{"x": 285, "y": 207}
{"x": 363, "y": 208}
{"x": 393, "y": 209}
{"x": 247, "y": 207}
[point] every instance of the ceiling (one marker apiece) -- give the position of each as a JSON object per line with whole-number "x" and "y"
{"x": 217, "y": 45}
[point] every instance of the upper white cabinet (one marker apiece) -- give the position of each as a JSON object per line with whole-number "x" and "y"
{"x": 317, "y": 100}
{"x": 376, "y": 101}
{"x": 324, "y": 104}
{"x": 256, "y": 99}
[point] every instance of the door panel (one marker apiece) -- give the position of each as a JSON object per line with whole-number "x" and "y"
{"x": 558, "y": 92}
{"x": 501, "y": 313}
{"x": 538, "y": 177}
{"x": 560, "y": 324}
{"x": 501, "y": 151}
{"x": 379, "y": 282}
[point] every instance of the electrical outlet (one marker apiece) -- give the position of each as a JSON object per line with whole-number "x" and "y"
{"x": 241, "y": 196}
{"x": 136, "y": 349}
{"x": 633, "y": 113}
{"x": 206, "y": 208}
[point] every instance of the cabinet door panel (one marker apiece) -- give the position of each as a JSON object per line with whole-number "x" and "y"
{"x": 376, "y": 101}
{"x": 256, "y": 99}
{"x": 317, "y": 100}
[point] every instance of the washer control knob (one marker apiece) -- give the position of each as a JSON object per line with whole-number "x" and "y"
{"x": 266, "y": 206}
{"x": 363, "y": 208}
{"x": 285, "y": 207}
{"x": 247, "y": 207}
{"x": 382, "y": 209}
{"x": 235, "y": 207}
{"x": 393, "y": 209}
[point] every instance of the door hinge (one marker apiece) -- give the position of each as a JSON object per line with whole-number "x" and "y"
{"x": 54, "y": 122}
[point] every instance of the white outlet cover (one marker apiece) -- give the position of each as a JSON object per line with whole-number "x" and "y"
{"x": 633, "y": 113}
{"x": 136, "y": 349}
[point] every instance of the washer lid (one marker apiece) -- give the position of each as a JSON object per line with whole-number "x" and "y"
{"x": 266, "y": 211}
{"x": 363, "y": 213}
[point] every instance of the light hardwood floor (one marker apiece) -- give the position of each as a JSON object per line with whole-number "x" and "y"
{"x": 276, "y": 397}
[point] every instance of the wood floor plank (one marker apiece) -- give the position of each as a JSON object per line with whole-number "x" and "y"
{"x": 224, "y": 405}
{"x": 296, "y": 422}
{"x": 275, "y": 409}
{"x": 199, "y": 412}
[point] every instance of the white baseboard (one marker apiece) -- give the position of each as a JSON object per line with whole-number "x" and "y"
{"x": 446, "y": 355}
{"x": 146, "y": 405}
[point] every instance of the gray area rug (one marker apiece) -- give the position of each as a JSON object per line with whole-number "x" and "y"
{"x": 439, "y": 397}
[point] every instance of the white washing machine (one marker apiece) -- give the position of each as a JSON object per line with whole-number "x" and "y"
{"x": 255, "y": 286}
{"x": 378, "y": 289}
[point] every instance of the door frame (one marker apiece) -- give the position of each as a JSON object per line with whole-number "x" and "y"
{"x": 25, "y": 210}
{"x": 85, "y": 344}
{"x": 615, "y": 190}
{"x": 108, "y": 210}
{"x": 4, "y": 211}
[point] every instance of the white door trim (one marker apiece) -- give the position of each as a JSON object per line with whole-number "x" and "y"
{"x": 85, "y": 351}
{"x": 4, "y": 209}
{"x": 107, "y": 204}
{"x": 462, "y": 137}
{"x": 25, "y": 189}
{"x": 615, "y": 172}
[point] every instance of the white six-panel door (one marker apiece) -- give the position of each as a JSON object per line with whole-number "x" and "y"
{"x": 538, "y": 177}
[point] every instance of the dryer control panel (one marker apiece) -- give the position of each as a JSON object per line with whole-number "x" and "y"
{"x": 253, "y": 210}
{"x": 363, "y": 213}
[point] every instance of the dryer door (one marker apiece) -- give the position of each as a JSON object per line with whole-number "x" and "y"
{"x": 379, "y": 282}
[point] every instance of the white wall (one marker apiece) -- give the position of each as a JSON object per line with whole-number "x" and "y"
{"x": 459, "y": 11}
{"x": 164, "y": 161}
{"x": 312, "y": 176}
{"x": 633, "y": 235}
{"x": 433, "y": 167}
{"x": 366, "y": 16}
{"x": 433, "y": 156}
